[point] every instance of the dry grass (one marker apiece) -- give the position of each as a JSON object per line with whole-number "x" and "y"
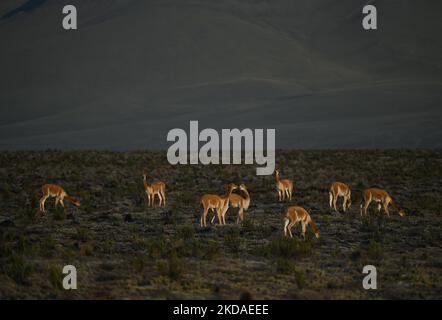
{"x": 122, "y": 249}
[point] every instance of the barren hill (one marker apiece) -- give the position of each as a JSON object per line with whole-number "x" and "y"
{"x": 135, "y": 69}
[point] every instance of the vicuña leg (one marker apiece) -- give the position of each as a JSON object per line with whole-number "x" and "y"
{"x": 204, "y": 217}
{"x": 386, "y": 203}
{"x": 304, "y": 227}
{"x": 163, "y": 194}
{"x": 286, "y": 224}
{"x": 42, "y": 203}
{"x": 330, "y": 195}
{"x": 366, "y": 204}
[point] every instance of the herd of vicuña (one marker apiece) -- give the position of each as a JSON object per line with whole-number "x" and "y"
{"x": 219, "y": 204}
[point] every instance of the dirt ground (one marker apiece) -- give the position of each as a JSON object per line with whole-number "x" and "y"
{"x": 123, "y": 249}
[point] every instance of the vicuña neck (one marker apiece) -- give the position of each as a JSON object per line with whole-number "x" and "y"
{"x": 247, "y": 194}
{"x": 228, "y": 194}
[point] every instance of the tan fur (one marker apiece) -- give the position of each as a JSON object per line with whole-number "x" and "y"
{"x": 284, "y": 187}
{"x": 295, "y": 214}
{"x": 57, "y": 192}
{"x": 157, "y": 188}
{"x": 339, "y": 189}
{"x": 216, "y": 203}
{"x": 382, "y": 198}
{"x": 237, "y": 201}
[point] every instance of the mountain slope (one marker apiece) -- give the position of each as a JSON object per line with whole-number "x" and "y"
{"x": 136, "y": 69}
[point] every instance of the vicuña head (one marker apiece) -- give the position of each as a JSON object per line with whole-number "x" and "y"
{"x": 75, "y": 201}
{"x": 317, "y": 233}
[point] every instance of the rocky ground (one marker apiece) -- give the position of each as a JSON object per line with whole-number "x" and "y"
{"x": 123, "y": 249}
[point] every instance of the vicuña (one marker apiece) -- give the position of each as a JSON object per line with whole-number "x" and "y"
{"x": 296, "y": 214}
{"x": 217, "y": 204}
{"x": 339, "y": 189}
{"x": 382, "y": 198}
{"x": 57, "y": 192}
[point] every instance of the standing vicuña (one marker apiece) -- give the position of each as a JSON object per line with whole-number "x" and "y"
{"x": 52, "y": 190}
{"x": 382, "y": 198}
{"x": 339, "y": 189}
{"x": 216, "y": 203}
{"x": 157, "y": 188}
{"x": 284, "y": 187}
{"x": 294, "y": 215}
{"x": 237, "y": 201}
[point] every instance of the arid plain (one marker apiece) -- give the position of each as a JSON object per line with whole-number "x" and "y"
{"x": 123, "y": 249}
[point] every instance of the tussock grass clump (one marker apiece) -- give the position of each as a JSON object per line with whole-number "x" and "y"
{"x": 106, "y": 246}
{"x": 172, "y": 267}
{"x": 288, "y": 266}
{"x": 208, "y": 250}
{"x": 374, "y": 225}
{"x": 189, "y": 199}
{"x": 59, "y": 214}
{"x": 140, "y": 242}
{"x": 17, "y": 268}
{"x": 286, "y": 248}
{"x": 186, "y": 232}
{"x": 171, "y": 217}
{"x": 23, "y": 244}
{"x": 285, "y": 266}
{"x": 232, "y": 239}
{"x": 248, "y": 225}
{"x": 157, "y": 248}
{"x": 46, "y": 247}
{"x": 82, "y": 234}
{"x": 375, "y": 250}
{"x": 299, "y": 278}
{"x": 139, "y": 263}
{"x": 86, "y": 250}
{"x": 432, "y": 235}
{"x": 55, "y": 276}
{"x": 184, "y": 244}
{"x": 30, "y": 212}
